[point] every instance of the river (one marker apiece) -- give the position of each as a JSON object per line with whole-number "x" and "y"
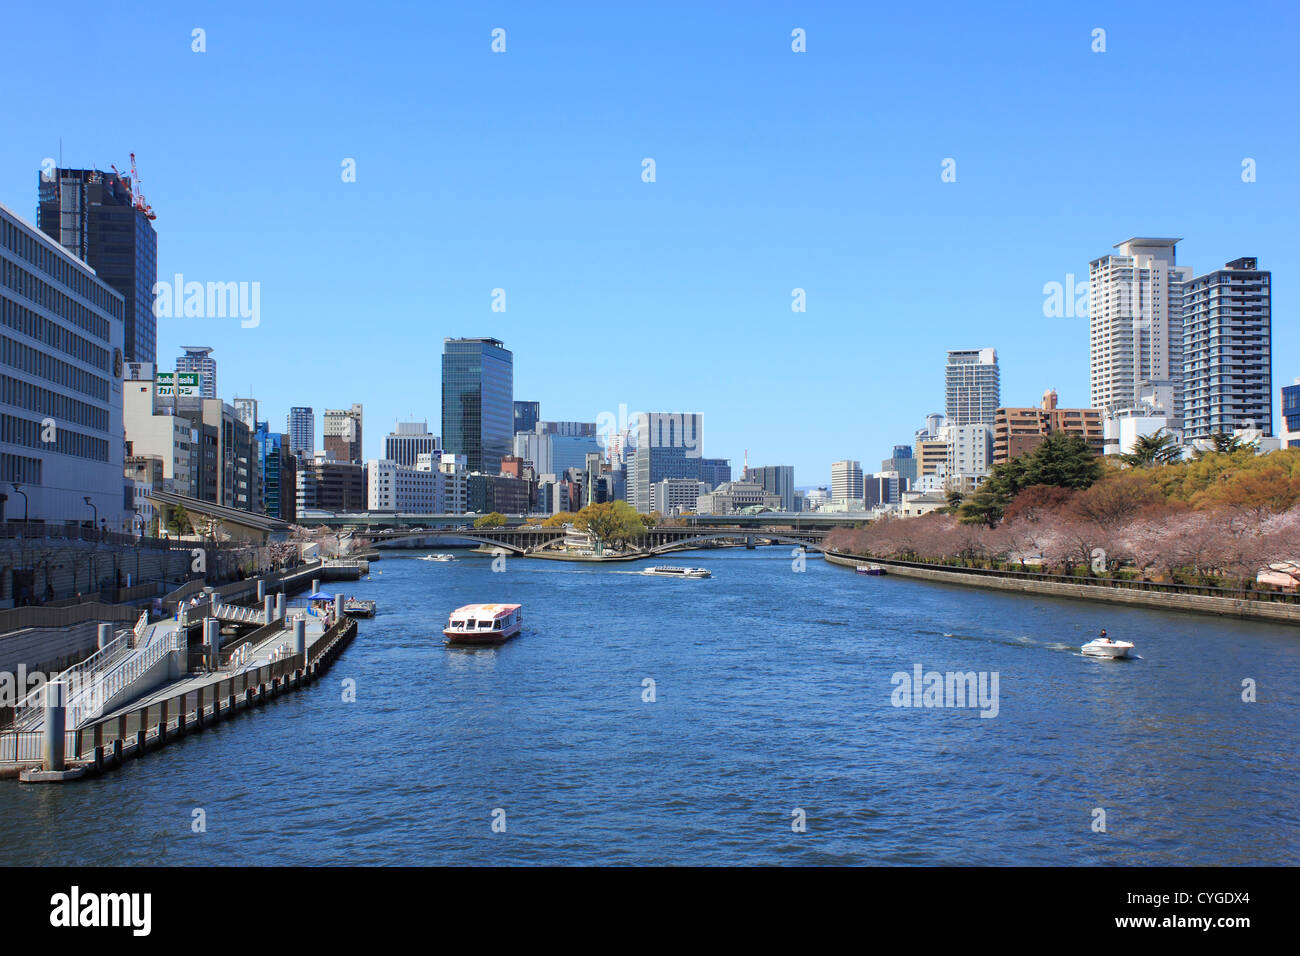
{"x": 748, "y": 718}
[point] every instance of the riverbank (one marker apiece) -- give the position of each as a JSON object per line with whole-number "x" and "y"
{"x": 1134, "y": 596}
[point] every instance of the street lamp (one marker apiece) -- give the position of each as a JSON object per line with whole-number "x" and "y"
{"x": 94, "y": 521}
{"x": 19, "y": 491}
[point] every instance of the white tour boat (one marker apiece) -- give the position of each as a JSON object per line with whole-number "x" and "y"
{"x": 669, "y": 571}
{"x": 483, "y": 624}
{"x": 1105, "y": 647}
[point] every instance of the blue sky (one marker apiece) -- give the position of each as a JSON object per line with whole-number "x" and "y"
{"x": 775, "y": 170}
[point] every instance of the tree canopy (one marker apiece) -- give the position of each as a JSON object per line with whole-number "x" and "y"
{"x": 1060, "y": 460}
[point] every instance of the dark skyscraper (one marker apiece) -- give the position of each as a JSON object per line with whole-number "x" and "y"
{"x": 527, "y": 415}
{"x": 97, "y": 218}
{"x": 478, "y": 387}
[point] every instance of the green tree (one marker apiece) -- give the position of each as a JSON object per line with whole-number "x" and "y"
{"x": 493, "y": 520}
{"x": 179, "y": 520}
{"x": 1060, "y": 460}
{"x": 612, "y": 523}
{"x": 1159, "y": 448}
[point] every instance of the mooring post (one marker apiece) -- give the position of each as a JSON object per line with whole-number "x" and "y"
{"x": 315, "y": 585}
{"x": 268, "y": 607}
{"x": 56, "y": 716}
{"x": 279, "y": 606}
{"x": 261, "y": 589}
{"x": 338, "y": 608}
{"x": 212, "y": 637}
{"x": 300, "y": 637}
{"x": 105, "y": 636}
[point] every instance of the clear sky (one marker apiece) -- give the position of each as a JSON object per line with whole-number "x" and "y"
{"x": 775, "y": 170}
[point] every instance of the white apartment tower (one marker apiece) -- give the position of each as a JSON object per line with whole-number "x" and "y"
{"x": 973, "y": 386}
{"x": 1227, "y": 351}
{"x": 1135, "y": 316}
{"x": 198, "y": 358}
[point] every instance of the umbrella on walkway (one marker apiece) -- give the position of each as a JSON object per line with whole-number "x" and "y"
{"x": 320, "y": 596}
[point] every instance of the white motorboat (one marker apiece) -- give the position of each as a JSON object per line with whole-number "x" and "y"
{"x": 1105, "y": 647}
{"x": 438, "y": 557}
{"x": 668, "y": 571}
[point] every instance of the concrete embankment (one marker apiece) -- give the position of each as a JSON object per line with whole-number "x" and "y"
{"x": 1259, "y": 610}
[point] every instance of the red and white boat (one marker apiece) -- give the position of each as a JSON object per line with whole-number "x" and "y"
{"x": 483, "y": 624}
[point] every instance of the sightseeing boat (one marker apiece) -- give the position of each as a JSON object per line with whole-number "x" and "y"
{"x": 483, "y": 624}
{"x": 669, "y": 571}
{"x": 873, "y": 569}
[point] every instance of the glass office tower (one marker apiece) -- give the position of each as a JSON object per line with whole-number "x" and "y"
{"x": 478, "y": 387}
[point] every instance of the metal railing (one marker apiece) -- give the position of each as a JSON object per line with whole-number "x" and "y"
{"x": 18, "y": 618}
{"x": 40, "y": 530}
{"x": 31, "y": 709}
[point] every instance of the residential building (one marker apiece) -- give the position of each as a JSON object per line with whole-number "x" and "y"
{"x": 846, "y": 479}
{"x": 1227, "y": 351}
{"x": 477, "y": 401}
{"x": 97, "y": 217}
{"x": 777, "y": 479}
{"x": 973, "y": 385}
{"x": 970, "y": 455}
{"x": 301, "y": 426}
{"x": 1290, "y": 431}
{"x": 1135, "y": 316}
{"x": 198, "y": 359}
{"x": 931, "y": 455}
{"x": 1020, "y": 430}
{"x": 342, "y": 433}
{"x": 61, "y": 363}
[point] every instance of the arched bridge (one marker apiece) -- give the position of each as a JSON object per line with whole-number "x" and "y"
{"x": 660, "y": 540}
{"x": 525, "y": 541}
{"x": 514, "y": 540}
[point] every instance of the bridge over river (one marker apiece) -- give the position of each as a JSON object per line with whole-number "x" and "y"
{"x": 532, "y": 540}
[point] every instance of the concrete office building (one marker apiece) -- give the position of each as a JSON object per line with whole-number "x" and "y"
{"x": 279, "y": 471}
{"x": 342, "y": 433}
{"x": 477, "y": 401}
{"x": 970, "y": 455}
{"x": 246, "y": 411}
{"x": 667, "y": 445}
{"x": 61, "y": 364}
{"x": 973, "y": 386}
{"x": 198, "y": 359}
{"x": 99, "y": 218}
{"x": 674, "y": 496}
{"x": 395, "y": 487}
{"x": 1135, "y": 317}
{"x": 1017, "y": 431}
{"x": 846, "y": 480}
{"x": 904, "y": 464}
{"x": 301, "y": 426}
{"x": 1228, "y": 351}
{"x": 328, "y": 485}
{"x": 154, "y": 431}
{"x": 409, "y": 441}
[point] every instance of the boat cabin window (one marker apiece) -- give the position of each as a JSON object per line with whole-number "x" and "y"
{"x": 496, "y": 625}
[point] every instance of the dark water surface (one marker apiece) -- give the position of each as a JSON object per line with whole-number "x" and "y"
{"x": 773, "y": 694}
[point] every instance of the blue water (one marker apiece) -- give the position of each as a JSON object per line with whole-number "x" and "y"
{"x": 773, "y": 693}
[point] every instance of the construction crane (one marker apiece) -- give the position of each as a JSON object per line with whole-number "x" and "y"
{"x": 138, "y": 199}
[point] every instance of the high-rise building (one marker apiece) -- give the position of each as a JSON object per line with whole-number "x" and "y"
{"x": 409, "y": 441}
{"x": 279, "y": 474}
{"x": 99, "y": 219}
{"x": 973, "y": 386}
{"x": 777, "y": 479}
{"x": 198, "y": 358}
{"x": 301, "y": 426}
{"x": 1017, "y": 431}
{"x": 477, "y": 401}
{"x": 1227, "y": 351}
{"x": 246, "y": 411}
{"x": 527, "y": 414}
{"x": 61, "y": 365}
{"x": 667, "y": 445}
{"x": 846, "y": 480}
{"x": 1291, "y": 415}
{"x": 342, "y": 433}
{"x": 904, "y": 464}
{"x": 1135, "y": 317}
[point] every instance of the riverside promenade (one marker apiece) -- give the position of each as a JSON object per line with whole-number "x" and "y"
{"x": 1278, "y": 608}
